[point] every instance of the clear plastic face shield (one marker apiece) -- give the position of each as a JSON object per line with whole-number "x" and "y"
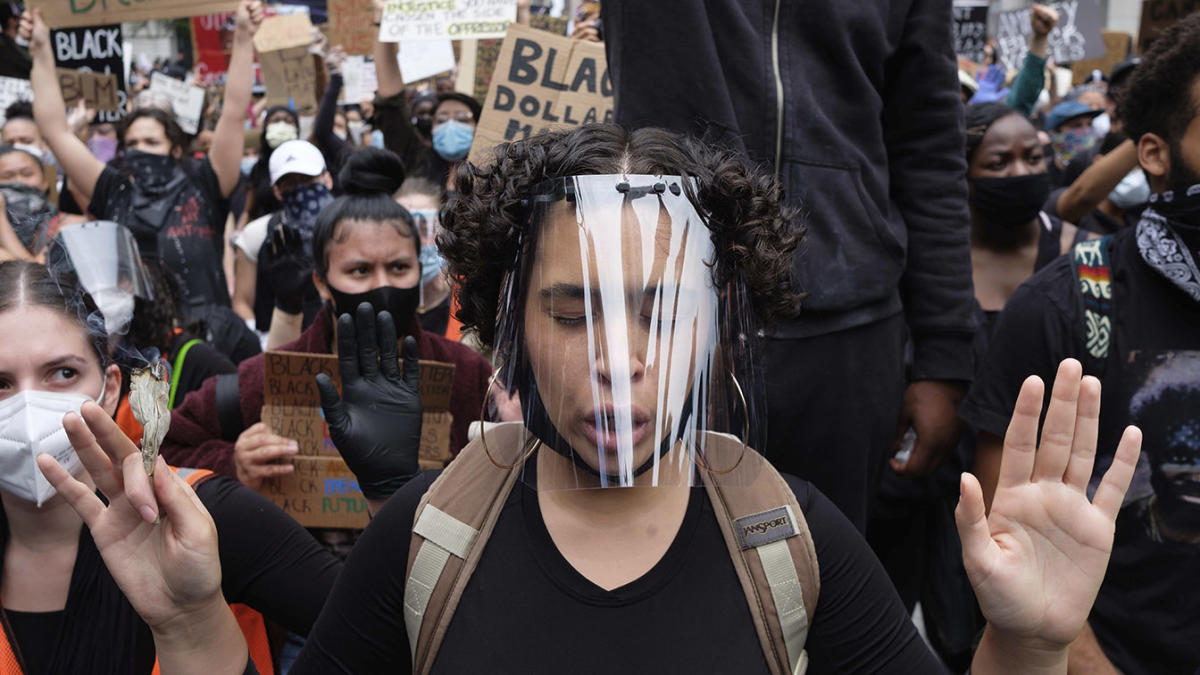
{"x": 624, "y": 352}
{"x": 105, "y": 258}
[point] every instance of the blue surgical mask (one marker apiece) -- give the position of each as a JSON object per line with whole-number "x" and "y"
{"x": 432, "y": 263}
{"x": 248, "y": 165}
{"x": 1133, "y": 190}
{"x": 377, "y": 139}
{"x": 452, "y": 140}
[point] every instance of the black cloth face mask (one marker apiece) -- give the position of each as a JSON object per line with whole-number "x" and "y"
{"x": 401, "y": 303}
{"x": 1009, "y": 201}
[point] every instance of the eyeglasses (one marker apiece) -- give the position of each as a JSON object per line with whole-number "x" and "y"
{"x": 460, "y": 116}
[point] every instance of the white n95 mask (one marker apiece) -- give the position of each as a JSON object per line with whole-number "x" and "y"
{"x": 30, "y": 424}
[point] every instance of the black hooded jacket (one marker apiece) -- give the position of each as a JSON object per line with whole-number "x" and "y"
{"x": 855, "y": 105}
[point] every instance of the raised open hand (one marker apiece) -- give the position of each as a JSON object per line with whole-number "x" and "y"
{"x": 1037, "y": 560}
{"x": 376, "y": 422}
{"x": 169, "y": 570}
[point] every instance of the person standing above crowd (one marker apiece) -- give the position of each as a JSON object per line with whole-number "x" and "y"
{"x": 1128, "y": 305}
{"x": 176, "y": 209}
{"x": 855, "y": 108}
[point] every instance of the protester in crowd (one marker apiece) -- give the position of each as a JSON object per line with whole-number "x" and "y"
{"x": 14, "y": 59}
{"x": 572, "y": 552}
{"x": 1109, "y": 194}
{"x": 454, "y": 121}
{"x": 365, "y": 249}
{"x": 588, "y": 25}
{"x": 284, "y": 297}
{"x": 63, "y": 612}
{"x": 423, "y": 199}
{"x": 1011, "y": 238}
{"x": 1070, "y": 126}
{"x": 326, "y": 135}
{"x": 19, "y": 126}
{"x": 28, "y": 218}
{"x": 279, "y": 126}
{"x": 1127, "y": 305}
{"x": 1031, "y": 79}
{"x": 865, "y": 131}
{"x": 175, "y": 209}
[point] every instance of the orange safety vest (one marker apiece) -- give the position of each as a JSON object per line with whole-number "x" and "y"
{"x": 250, "y": 621}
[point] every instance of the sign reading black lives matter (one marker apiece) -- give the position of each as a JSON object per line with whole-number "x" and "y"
{"x": 1076, "y": 37}
{"x": 96, "y": 49}
{"x": 970, "y": 28}
{"x": 542, "y": 81}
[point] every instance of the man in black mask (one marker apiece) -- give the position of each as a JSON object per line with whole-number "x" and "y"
{"x": 177, "y": 209}
{"x": 1128, "y": 306}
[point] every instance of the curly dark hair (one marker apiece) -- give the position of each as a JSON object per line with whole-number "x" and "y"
{"x": 1158, "y": 97}
{"x": 175, "y": 135}
{"x": 752, "y": 231}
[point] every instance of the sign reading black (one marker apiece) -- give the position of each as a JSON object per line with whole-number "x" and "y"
{"x": 96, "y": 49}
{"x": 1076, "y": 37}
{"x": 970, "y": 29}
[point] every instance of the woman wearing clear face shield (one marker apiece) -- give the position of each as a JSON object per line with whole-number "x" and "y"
{"x": 616, "y": 274}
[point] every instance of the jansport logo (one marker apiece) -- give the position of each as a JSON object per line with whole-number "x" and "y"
{"x": 765, "y": 527}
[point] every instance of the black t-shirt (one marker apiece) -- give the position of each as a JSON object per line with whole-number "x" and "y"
{"x": 1147, "y": 616}
{"x": 267, "y": 562}
{"x": 526, "y": 609}
{"x": 191, "y": 240}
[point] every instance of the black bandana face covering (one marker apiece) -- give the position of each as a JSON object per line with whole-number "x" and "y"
{"x": 1181, "y": 204}
{"x": 151, "y": 173}
{"x": 29, "y": 212}
{"x": 401, "y": 303}
{"x": 1009, "y": 201}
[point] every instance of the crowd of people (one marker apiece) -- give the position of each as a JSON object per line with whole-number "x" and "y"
{"x": 827, "y": 356}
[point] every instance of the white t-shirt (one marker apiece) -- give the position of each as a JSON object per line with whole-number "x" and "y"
{"x": 251, "y": 237}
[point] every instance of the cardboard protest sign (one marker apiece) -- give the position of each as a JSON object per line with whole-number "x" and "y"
{"x": 288, "y": 69}
{"x": 291, "y": 79}
{"x": 322, "y": 492}
{"x": 970, "y": 28}
{"x": 95, "y": 49}
{"x": 70, "y": 13}
{"x": 542, "y": 81}
{"x": 425, "y": 58}
{"x": 445, "y": 19}
{"x": 187, "y": 101}
{"x": 350, "y": 26}
{"x": 212, "y": 42}
{"x": 283, "y": 32}
{"x": 1159, "y": 15}
{"x": 98, "y": 90}
{"x": 1076, "y": 37}
{"x": 12, "y": 90}
{"x": 1117, "y": 46}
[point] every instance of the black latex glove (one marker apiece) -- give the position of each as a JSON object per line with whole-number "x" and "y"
{"x": 288, "y": 270}
{"x": 376, "y": 422}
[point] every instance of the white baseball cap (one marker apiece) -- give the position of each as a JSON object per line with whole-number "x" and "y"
{"x": 296, "y": 157}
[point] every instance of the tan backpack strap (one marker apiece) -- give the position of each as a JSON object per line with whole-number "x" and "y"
{"x": 453, "y": 522}
{"x": 758, "y": 511}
